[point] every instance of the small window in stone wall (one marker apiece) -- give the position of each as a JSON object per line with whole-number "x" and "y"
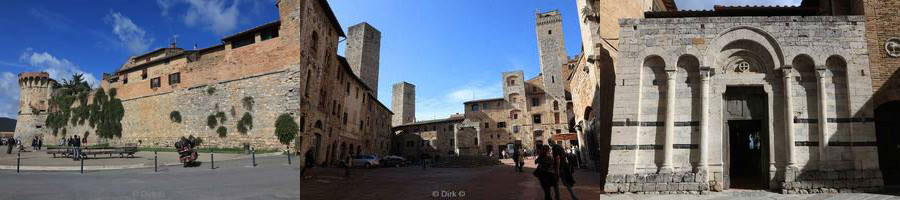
{"x": 269, "y": 34}
{"x": 243, "y": 42}
{"x": 144, "y": 74}
{"x": 175, "y": 78}
{"x": 154, "y": 83}
{"x": 125, "y": 79}
{"x": 501, "y": 124}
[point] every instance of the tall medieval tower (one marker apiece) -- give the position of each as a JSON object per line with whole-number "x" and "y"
{"x": 362, "y": 52}
{"x": 35, "y": 89}
{"x": 552, "y": 52}
{"x": 403, "y": 104}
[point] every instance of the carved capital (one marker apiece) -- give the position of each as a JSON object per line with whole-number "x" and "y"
{"x": 670, "y": 74}
{"x": 821, "y": 71}
{"x": 787, "y": 71}
{"x": 706, "y": 72}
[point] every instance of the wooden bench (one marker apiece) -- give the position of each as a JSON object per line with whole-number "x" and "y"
{"x": 85, "y": 151}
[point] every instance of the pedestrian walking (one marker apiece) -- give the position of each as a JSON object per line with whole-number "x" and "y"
{"x": 40, "y": 143}
{"x": 10, "y": 142}
{"x": 565, "y": 168}
{"x": 518, "y": 158}
{"x": 310, "y": 160}
{"x": 503, "y": 154}
{"x": 547, "y": 172}
{"x": 76, "y": 145}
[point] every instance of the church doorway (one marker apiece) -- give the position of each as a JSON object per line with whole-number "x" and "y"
{"x": 887, "y": 136}
{"x": 746, "y": 116}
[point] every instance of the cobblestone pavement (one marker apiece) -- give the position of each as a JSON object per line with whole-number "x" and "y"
{"x": 272, "y": 178}
{"x": 491, "y": 182}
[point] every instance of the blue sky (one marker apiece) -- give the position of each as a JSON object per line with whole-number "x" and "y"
{"x": 453, "y": 51}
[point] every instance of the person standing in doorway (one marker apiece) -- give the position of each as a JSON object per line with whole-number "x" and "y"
{"x": 310, "y": 160}
{"x": 547, "y": 172}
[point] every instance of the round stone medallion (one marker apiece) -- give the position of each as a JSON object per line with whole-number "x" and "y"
{"x": 892, "y": 47}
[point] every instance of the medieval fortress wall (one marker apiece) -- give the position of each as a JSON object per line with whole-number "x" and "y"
{"x": 287, "y": 66}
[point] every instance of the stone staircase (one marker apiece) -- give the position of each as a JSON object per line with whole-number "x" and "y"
{"x": 465, "y": 162}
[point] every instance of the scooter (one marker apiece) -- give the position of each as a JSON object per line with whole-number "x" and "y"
{"x": 186, "y": 153}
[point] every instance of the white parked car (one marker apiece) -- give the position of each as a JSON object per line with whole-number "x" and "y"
{"x": 366, "y": 161}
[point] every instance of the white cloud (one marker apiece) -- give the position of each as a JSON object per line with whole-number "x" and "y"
{"x": 443, "y": 106}
{"x": 9, "y": 89}
{"x": 130, "y": 36}
{"x": 165, "y": 5}
{"x": 59, "y": 69}
{"x": 213, "y": 15}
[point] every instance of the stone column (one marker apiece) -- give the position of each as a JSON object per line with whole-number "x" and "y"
{"x": 823, "y": 117}
{"x": 704, "y": 119}
{"x": 787, "y": 71}
{"x": 670, "y": 122}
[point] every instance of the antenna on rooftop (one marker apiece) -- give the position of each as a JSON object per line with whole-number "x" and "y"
{"x": 174, "y": 41}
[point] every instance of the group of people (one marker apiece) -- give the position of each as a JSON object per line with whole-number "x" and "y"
{"x": 554, "y": 165}
{"x": 37, "y": 143}
{"x": 73, "y": 142}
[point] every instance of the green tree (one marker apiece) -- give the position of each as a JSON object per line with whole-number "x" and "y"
{"x": 286, "y": 129}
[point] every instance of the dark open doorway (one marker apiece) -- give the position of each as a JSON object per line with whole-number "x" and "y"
{"x": 746, "y": 154}
{"x": 887, "y": 132}
{"x": 746, "y": 120}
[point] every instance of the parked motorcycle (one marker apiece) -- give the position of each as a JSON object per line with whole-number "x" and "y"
{"x": 186, "y": 152}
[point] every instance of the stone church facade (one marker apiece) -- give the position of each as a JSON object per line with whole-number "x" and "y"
{"x": 289, "y": 66}
{"x": 735, "y": 97}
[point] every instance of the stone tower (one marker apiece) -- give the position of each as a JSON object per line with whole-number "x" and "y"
{"x": 35, "y": 89}
{"x": 552, "y": 51}
{"x": 403, "y": 104}
{"x": 362, "y": 52}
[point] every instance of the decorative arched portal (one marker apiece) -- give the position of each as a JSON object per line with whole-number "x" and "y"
{"x": 745, "y": 59}
{"x": 887, "y": 133}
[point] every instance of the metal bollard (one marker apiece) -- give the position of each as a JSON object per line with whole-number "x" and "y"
{"x": 18, "y": 161}
{"x": 212, "y": 161}
{"x": 253, "y": 154}
{"x": 155, "y": 162}
{"x": 82, "y": 165}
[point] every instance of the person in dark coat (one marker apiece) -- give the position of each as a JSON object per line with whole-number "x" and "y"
{"x": 309, "y": 161}
{"x": 517, "y": 159}
{"x": 565, "y": 169}
{"x": 547, "y": 172}
{"x": 76, "y": 143}
{"x": 10, "y": 142}
{"x": 40, "y": 143}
